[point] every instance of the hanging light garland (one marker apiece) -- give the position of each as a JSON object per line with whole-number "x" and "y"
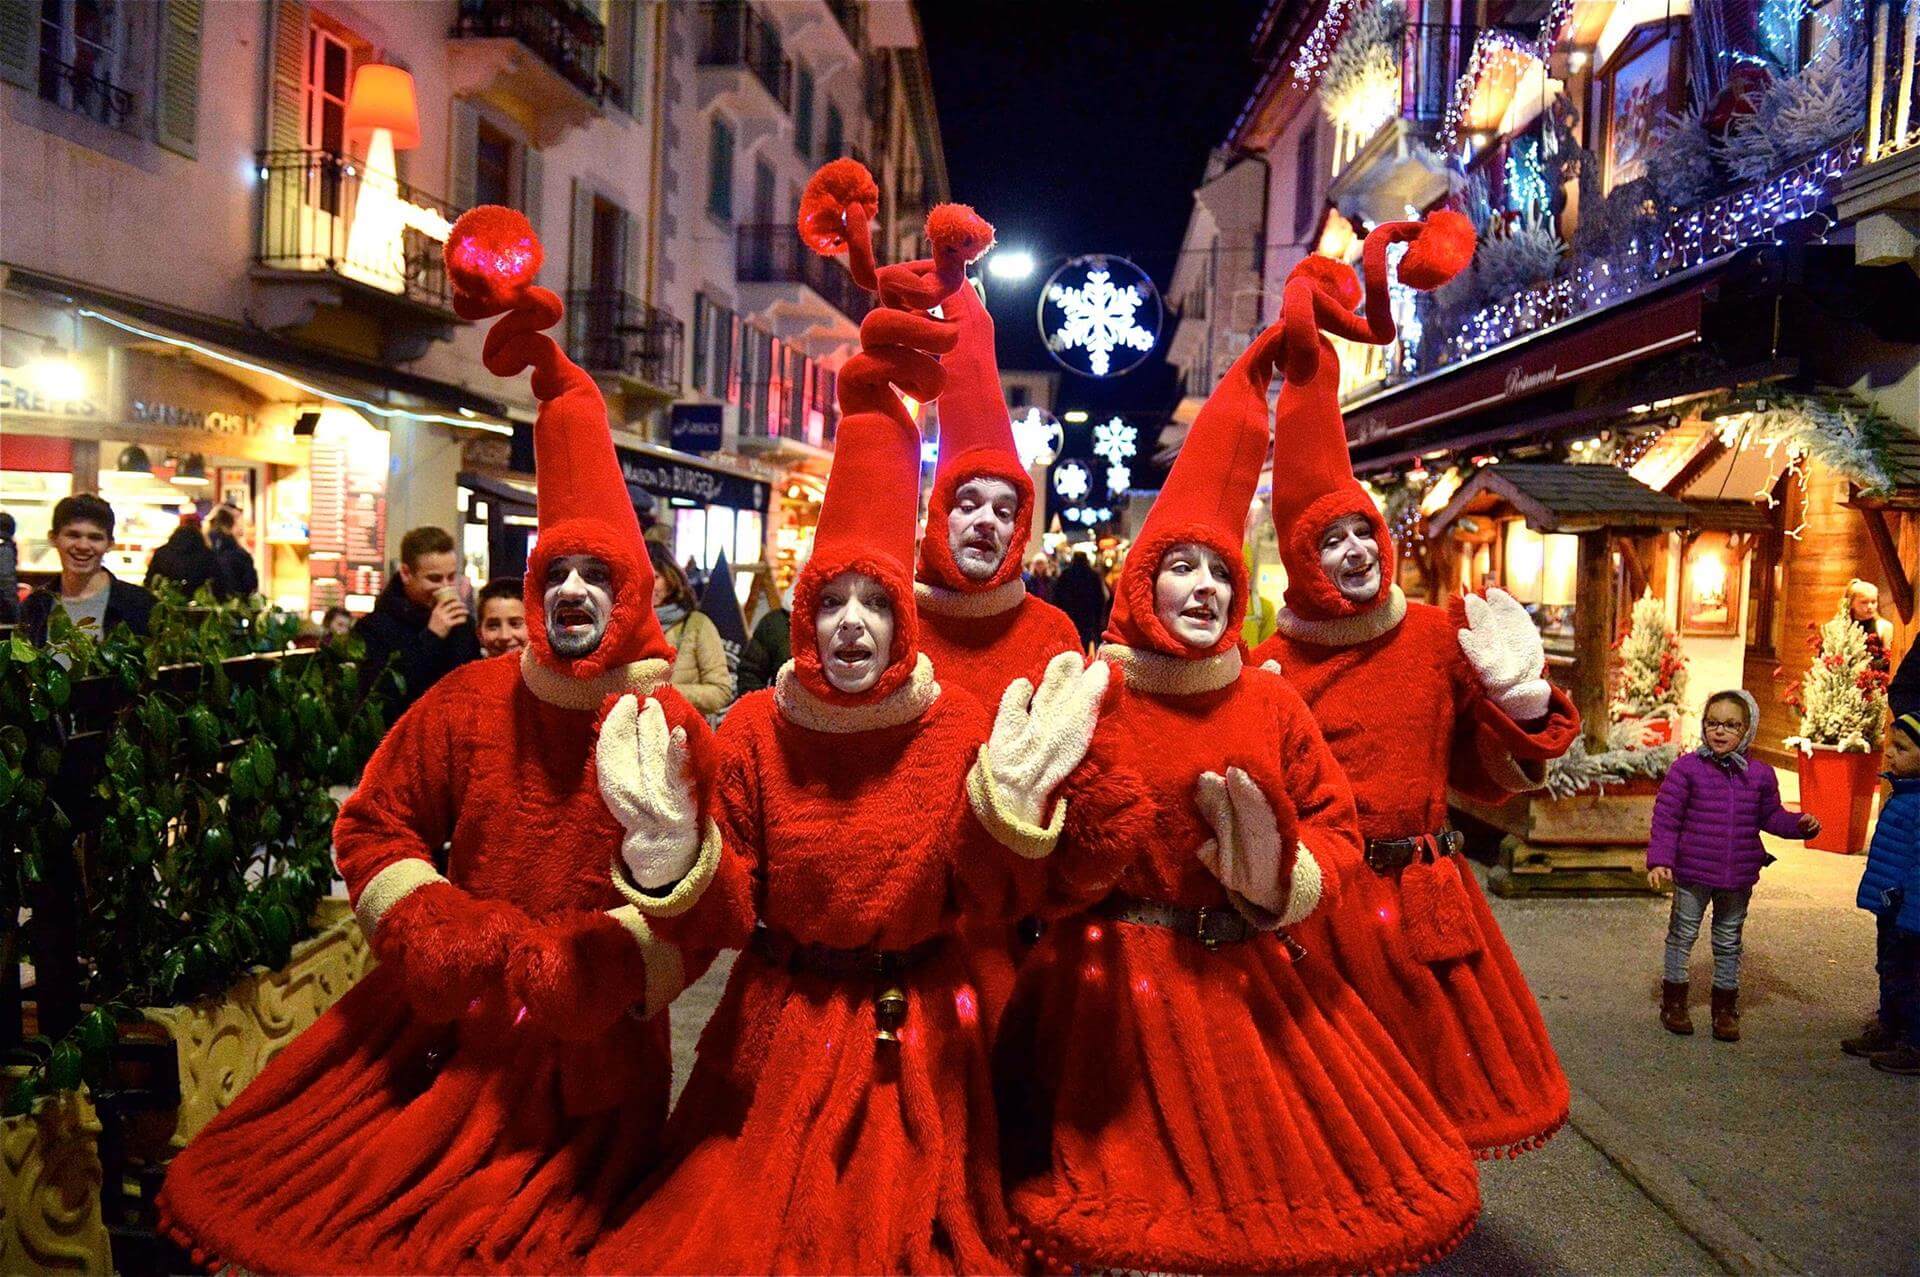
{"x": 1322, "y": 41}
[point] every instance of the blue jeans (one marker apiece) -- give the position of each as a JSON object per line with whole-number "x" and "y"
{"x": 1897, "y": 959}
{"x": 1683, "y": 928}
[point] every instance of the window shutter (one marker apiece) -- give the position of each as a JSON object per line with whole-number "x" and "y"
{"x": 622, "y": 19}
{"x": 803, "y": 111}
{"x": 177, "y": 122}
{"x": 629, "y": 274}
{"x": 720, "y": 170}
{"x": 532, "y": 164}
{"x": 463, "y": 150}
{"x": 286, "y": 72}
{"x": 580, "y": 238}
{"x": 19, "y": 42}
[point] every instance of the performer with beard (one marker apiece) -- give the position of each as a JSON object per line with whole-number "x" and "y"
{"x": 1412, "y": 699}
{"x": 477, "y": 1100}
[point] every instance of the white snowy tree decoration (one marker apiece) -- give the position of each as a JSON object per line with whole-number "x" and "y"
{"x": 1842, "y": 699}
{"x": 1101, "y": 317}
{"x": 1800, "y": 114}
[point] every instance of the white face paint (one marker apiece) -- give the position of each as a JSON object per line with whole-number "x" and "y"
{"x": 1350, "y": 556}
{"x": 1192, "y": 594}
{"x": 980, "y": 525}
{"x": 853, "y": 629}
{"x": 578, "y": 602}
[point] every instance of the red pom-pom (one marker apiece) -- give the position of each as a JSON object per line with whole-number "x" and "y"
{"x": 1444, "y": 249}
{"x": 492, "y": 256}
{"x": 957, "y": 229}
{"x": 1334, "y": 278}
{"x": 823, "y": 205}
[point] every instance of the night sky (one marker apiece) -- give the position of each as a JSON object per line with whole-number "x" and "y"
{"x": 1079, "y": 127}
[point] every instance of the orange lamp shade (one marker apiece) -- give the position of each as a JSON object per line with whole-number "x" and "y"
{"x": 382, "y": 98}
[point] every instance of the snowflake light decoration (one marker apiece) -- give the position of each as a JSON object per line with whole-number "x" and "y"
{"x": 1038, "y": 437}
{"x": 1072, "y": 481}
{"x": 1105, "y": 305}
{"x": 1119, "y": 477}
{"x": 1114, "y": 440}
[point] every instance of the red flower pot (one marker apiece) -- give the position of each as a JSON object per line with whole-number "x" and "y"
{"x": 1837, "y": 788}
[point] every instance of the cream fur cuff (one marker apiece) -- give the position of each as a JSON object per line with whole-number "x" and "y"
{"x": 666, "y": 972}
{"x": 1022, "y": 837}
{"x": 389, "y": 887}
{"x": 685, "y": 893}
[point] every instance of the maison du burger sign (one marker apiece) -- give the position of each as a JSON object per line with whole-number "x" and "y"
{"x": 666, "y": 478}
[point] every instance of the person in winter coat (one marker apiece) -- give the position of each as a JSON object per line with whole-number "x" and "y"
{"x": 1890, "y": 891}
{"x": 184, "y": 560}
{"x": 700, "y": 670}
{"x": 770, "y": 647}
{"x": 477, "y": 1100}
{"x": 237, "y": 577}
{"x": 1414, "y": 700}
{"x": 419, "y": 623}
{"x": 1082, "y": 595}
{"x": 838, "y": 1119}
{"x": 9, "y": 569}
{"x": 1712, "y": 807}
{"x": 94, "y": 599}
{"x": 1179, "y": 1092}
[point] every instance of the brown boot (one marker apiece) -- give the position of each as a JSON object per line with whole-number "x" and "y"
{"x": 1673, "y": 1007}
{"x": 1726, "y": 1015}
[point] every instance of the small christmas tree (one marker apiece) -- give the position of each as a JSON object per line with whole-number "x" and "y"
{"x": 1842, "y": 697}
{"x": 1652, "y": 675}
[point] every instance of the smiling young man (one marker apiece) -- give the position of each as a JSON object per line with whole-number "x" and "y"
{"x": 420, "y": 623}
{"x": 93, "y": 598}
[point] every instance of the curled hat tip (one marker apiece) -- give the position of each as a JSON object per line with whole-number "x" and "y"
{"x": 834, "y": 187}
{"x": 956, "y": 228}
{"x": 492, "y": 255}
{"x": 1444, "y": 249}
{"x": 1332, "y": 277}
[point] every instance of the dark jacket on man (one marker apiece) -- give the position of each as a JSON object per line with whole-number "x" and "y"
{"x": 770, "y": 647}
{"x": 1903, "y": 695}
{"x": 1082, "y": 595}
{"x": 235, "y": 576}
{"x": 396, "y": 631}
{"x": 127, "y": 604}
{"x": 185, "y": 559}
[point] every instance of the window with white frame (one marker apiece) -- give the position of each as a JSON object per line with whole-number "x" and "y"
{"x": 82, "y": 50}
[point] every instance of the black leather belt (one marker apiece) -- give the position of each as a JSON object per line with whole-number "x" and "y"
{"x": 1211, "y": 925}
{"x": 1388, "y": 855}
{"x": 884, "y": 967}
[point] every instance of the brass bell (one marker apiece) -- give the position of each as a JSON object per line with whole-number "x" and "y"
{"x": 889, "y": 1013}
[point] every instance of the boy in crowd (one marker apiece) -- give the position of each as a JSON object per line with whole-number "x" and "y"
{"x": 94, "y": 599}
{"x": 420, "y": 623}
{"x": 503, "y": 616}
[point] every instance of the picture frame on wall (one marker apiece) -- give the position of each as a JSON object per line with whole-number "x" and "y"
{"x": 235, "y": 488}
{"x": 1643, "y": 81}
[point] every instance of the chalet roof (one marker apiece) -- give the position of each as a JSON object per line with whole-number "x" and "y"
{"x": 1566, "y": 498}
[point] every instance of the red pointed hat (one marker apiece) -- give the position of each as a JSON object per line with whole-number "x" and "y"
{"x": 1317, "y": 484}
{"x": 585, "y": 508}
{"x": 1205, "y": 499}
{"x": 976, "y": 441}
{"x": 870, "y": 512}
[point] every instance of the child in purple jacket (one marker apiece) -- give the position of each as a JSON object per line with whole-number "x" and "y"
{"x": 1706, "y": 842}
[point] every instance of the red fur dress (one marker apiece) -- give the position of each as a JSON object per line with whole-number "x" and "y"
{"x": 1406, "y": 717}
{"x": 979, "y": 643}
{"x": 801, "y": 1143}
{"x": 382, "y": 1140}
{"x": 1175, "y": 1109}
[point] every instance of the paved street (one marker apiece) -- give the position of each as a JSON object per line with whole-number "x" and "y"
{"x": 1774, "y": 1154}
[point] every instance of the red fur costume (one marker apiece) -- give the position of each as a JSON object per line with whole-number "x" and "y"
{"x": 482, "y": 1096}
{"x": 1406, "y": 715}
{"x": 1171, "y": 1108}
{"x": 803, "y": 1143}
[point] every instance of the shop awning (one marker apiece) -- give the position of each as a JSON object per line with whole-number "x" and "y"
{"x": 1565, "y": 498}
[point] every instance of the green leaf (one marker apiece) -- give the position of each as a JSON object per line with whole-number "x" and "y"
{"x": 9, "y": 778}
{"x": 22, "y": 651}
{"x": 98, "y": 1032}
{"x": 25, "y": 1092}
{"x": 59, "y": 686}
{"x": 63, "y": 1067}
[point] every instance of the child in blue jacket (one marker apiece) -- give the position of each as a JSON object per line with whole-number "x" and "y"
{"x": 1890, "y": 890}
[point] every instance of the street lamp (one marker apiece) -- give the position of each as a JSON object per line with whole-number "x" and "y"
{"x": 1011, "y": 264}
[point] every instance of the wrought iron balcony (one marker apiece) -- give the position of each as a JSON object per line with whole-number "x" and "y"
{"x": 732, "y": 33}
{"x": 612, "y": 331}
{"x": 773, "y": 254}
{"x": 85, "y": 93}
{"x": 325, "y": 213}
{"x": 565, "y": 35}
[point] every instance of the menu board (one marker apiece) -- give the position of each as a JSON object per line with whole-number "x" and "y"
{"x": 346, "y": 555}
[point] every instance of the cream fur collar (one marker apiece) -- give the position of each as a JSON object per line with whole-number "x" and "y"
{"x": 1346, "y": 631}
{"x": 1163, "y": 675}
{"x": 941, "y": 601}
{"x": 803, "y": 709}
{"x": 567, "y": 692}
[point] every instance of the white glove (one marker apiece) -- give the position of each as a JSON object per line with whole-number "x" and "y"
{"x": 647, "y": 784}
{"x": 1504, "y": 648}
{"x": 1244, "y": 853}
{"x": 1039, "y": 737}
